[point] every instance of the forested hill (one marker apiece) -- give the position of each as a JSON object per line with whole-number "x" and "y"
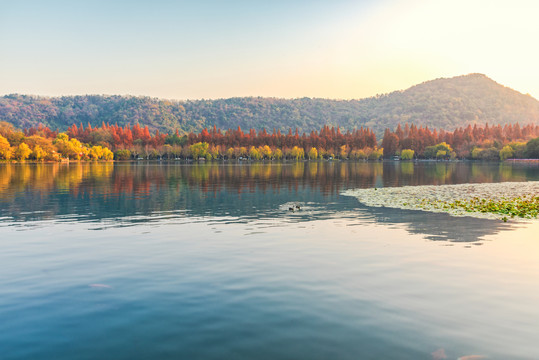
{"x": 441, "y": 103}
{"x": 452, "y": 103}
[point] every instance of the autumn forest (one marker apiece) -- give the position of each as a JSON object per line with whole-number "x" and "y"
{"x": 406, "y": 142}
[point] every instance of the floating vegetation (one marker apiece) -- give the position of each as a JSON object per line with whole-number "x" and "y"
{"x": 507, "y": 200}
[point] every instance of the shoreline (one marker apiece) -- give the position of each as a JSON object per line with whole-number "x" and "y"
{"x": 191, "y": 161}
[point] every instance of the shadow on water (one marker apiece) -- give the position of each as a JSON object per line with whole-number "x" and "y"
{"x": 439, "y": 226}
{"x": 123, "y": 194}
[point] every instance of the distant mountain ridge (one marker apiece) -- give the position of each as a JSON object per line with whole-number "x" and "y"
{"x": 446, "y": 103}
{"x": 453, "y": 102}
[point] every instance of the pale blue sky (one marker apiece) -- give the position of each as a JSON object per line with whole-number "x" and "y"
{"x": 215, "y": 49}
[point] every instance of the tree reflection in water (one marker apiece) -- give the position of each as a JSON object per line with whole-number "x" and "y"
{"x": 114, "y": 191}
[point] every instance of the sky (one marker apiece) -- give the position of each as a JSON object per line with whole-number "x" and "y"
{"x": 337, "y": 49}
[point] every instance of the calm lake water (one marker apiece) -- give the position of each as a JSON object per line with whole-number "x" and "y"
{"x": 172, "y": 261}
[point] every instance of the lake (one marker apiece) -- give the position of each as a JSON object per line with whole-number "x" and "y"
{"x": 206, "y": 261}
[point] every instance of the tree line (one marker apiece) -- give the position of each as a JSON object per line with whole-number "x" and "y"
{"x": 42, "y": 144}
{"x": 472, "y": 142}
{"x": 407, "y": 142}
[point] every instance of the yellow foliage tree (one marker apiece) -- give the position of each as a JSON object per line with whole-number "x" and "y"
{"x": 96, "y": 152}
{"x": 358, "y": 154}
{"x": 312, "y": 153}
{"x": 76, "y": 149}
{"x": 376, "y": 154}
{"x": 266, "y": 151}
{"x": 214, "y": 151}
{"x": 297, "y": 153}
{"x": 38, "y": 153}
{"x": 243, "y": 151}
{"x": 254, "y": 153}
{"x": 22, "y": 152}
{"x": 107, "y": 154}
{"x": 199, "y": 149}
{"x": 344, "y": 151}
{"x": 230, "y": 153}
{"x": 5, "y": 148}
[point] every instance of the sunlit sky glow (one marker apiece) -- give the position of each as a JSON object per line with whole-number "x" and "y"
{"x": 219, "y": 49}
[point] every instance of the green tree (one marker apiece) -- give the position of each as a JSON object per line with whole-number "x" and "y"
{"x": 532, "y": 149}
{"x": 437, "y": 151}
{"x": 175, "y": 140}
{"x": 519, "y": 149}
{"x": 122, "y": 154}
{"x": 198, "y": 150}
{"x": 441, "y": 154}
{"x": 506, "y": 152}
{"x": 476, "y": 153}
{"x": 407, "y": 154}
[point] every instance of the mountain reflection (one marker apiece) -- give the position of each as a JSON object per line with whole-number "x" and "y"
{"x": 118, "y": 192}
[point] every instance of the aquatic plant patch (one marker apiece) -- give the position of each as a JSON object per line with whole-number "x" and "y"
{"x": 507, "y": 200}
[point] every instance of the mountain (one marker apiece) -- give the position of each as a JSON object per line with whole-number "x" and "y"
{"x": 452, "y": 103}
{"x": 445, "y": 103}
